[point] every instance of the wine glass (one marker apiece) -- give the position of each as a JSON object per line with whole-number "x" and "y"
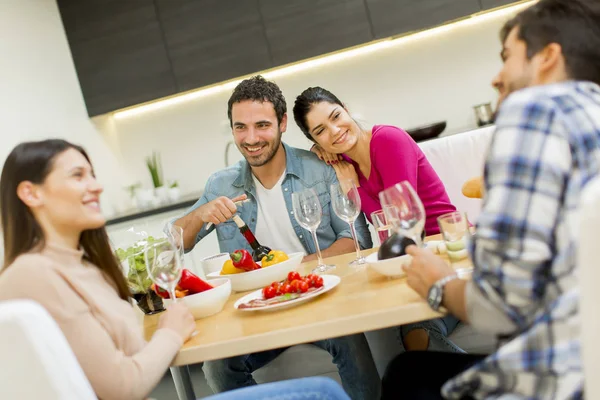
{"x": 407, "y": 214}
{"x": 175, "y": 235}
{"x": 164, "y": 265}
{"x": 307, "y": 210}
{"x": 381, "y": 225}
{"x": 346, "y": 205}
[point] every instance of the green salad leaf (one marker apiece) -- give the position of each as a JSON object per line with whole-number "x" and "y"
{"x": 137, "y": 276}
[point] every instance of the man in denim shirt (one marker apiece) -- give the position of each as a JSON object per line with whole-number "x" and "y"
{"x": 270, "y": 174}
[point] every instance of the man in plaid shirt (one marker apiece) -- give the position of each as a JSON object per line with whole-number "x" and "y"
{"x": 524, "y": 287}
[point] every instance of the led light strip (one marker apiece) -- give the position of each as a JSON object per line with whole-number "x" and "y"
{"x": 361, "y": 50}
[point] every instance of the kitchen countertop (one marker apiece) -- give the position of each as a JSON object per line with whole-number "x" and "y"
{"x": 186, "y": 201}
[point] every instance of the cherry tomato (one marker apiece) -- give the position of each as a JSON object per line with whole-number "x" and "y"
{"x": 295, "y": 285}
{"x": 318, "y": 281}
{"x": 269, "y": 292}
{"x": 310, "y": 279}
{"x": 303, "y": 286}
{"x": 276, "y": 286}
{"x": 292, "y": 276}
{"x": 286, "y": 288}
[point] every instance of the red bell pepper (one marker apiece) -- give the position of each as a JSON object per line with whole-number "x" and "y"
{"x": 165, "y": 295}
{"x": 192, "y": 283}
{"x": 242, "y": 259}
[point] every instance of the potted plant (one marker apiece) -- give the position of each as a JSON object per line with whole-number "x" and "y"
{"x": 155, "y": 167}
{"x": 174, "y": 191}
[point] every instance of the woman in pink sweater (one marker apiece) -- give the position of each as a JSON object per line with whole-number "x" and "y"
{"x": 57, "y": 253}
{"x": 376, "y": 159}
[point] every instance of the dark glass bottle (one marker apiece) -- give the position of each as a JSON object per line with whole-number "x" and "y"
{"x": 394, "y": 246}
{"x": 258, "y": 251}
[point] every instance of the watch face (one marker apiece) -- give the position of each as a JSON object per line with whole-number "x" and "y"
{"x": 434, "y": 297}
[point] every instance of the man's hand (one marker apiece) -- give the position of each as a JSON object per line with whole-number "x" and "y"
{"x": 425, "y": 269}
{"x": 219, "y": 210}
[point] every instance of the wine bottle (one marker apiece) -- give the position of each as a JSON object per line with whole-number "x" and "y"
{"x": 258, "y": 250}
{"x": 394, "y": 246}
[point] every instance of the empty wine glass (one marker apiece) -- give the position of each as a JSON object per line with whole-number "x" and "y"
{"x": 164, "y": 265}
{"x": 346, "y": 205}
{"x": 175, "y": 235}
{"x": 407, "y": 215}
{"x": 308, "y": 212}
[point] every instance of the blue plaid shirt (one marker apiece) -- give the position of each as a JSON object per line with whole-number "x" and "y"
{"x": 545, "y": 149}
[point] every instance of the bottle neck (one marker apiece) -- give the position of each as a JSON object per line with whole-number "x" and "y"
{"x": 245, "y": 230}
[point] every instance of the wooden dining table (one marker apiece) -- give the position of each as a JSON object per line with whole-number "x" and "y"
{"x": 363, "y": 301}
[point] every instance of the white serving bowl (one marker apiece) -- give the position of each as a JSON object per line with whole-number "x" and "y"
{"x": 390, "y": 267}
{"x": 209, "y": 302}
{"x": 260, "y": 278}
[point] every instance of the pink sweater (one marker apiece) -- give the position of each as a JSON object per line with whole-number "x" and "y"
{"x": 395, "y": 157}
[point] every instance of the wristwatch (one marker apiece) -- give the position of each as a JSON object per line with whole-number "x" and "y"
{"x": 436, "y": 292}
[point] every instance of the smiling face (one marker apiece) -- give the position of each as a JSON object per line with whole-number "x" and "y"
{"x": 332, "y": 128}
{"x": 69, "y": 196}
{"x": 518, "y": 71}
{"x": 256, "y": 132}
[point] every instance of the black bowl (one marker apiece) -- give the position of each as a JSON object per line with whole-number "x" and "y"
{"x": 427, "y": 132}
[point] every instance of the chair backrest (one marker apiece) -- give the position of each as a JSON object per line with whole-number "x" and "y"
{"x": 36, "y": 360}
{"x": 456, "y": 159}
{"x": 589, "y": 276}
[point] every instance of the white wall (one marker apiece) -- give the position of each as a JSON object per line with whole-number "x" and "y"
{"x": 40, "y": 95}
{"x": 412, "y": 84}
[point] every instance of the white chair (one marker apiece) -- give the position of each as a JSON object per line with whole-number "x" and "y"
{"x": 37, "y": 362}
{"x": 456, "y": 159}
{"x": 589, "y": 276}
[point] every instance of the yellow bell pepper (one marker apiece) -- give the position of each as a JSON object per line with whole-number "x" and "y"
{"x": 229, "y": 269}
{"x": 274, "y": 257}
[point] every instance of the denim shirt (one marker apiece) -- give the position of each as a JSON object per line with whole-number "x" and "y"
{"x": 304, "y": 170}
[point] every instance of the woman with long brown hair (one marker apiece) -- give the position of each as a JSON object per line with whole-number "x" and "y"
{"x": 57, "y": 253}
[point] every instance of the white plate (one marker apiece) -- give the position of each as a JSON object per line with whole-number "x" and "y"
{"x": 329, "y": 282}
{"x": 262, "y": 277}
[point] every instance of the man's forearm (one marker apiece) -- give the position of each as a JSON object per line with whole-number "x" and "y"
{"x": 191, "y": 225}
{"x": 340, "y": 246}
{"x": 454, "y": 299}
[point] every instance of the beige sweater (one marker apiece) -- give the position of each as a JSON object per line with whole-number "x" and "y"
{"x": 102, "y": 329}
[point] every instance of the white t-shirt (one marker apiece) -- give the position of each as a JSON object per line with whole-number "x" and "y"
{"x": 273, "y": 225}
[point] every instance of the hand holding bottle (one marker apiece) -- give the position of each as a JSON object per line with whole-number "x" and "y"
{"x": 220, "y": 209}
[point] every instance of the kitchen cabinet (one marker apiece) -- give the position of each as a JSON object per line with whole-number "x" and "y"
{"x": 487, "y": 4}
{"x": 209, "y": 41}
{"x": 118, "y": 51}
{"x": 300, "y": 29}
{"x": 394, "y": 17}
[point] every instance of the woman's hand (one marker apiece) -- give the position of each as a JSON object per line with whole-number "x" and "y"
{"x": 179, "y": 319}
{"x": 329, "y": 158}
{"x": 345, "y": 171}
{"x": 425, "y": 269}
